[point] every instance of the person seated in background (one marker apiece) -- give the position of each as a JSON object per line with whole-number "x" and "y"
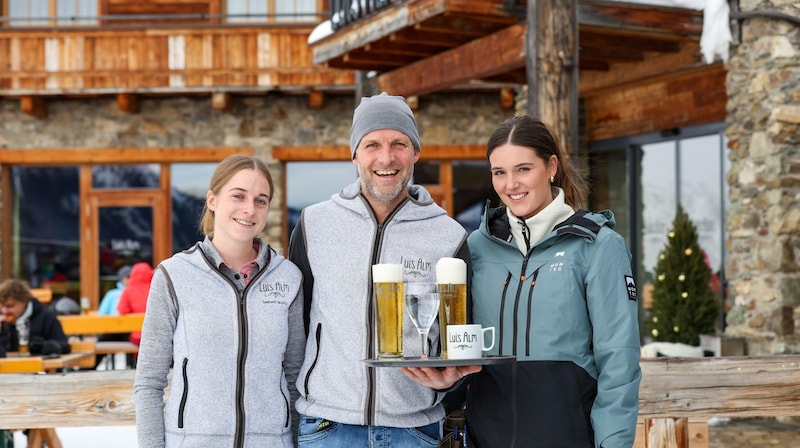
{"x": 27, "y": 324}
{"x": 108, "y": 307}
{"x": 134, "y": 298}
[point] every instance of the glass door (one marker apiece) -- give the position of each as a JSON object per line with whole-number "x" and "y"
{"x": 125, "y": 238}
{"x": 122, "y": 221}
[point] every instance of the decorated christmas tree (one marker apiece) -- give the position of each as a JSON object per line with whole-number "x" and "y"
{"x": 684, "y": 306}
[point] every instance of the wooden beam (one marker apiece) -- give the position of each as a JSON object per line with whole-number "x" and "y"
{"x": 627, "y": 74}
{"x": 34, "y": 105}
{"x": 94, "y": 398}
{"x": 493, "y": 54}
{"x": 692, "y": 97}
{"x": 316, "y": 99}
{"x": 628, "y": 18}
{"x": 128, "y": 102}
{"x": 77, "y": 156}
{"x": 727, "y": 386}
{"x": 221, "y": 100}
{"x": 508, "y": 98}
{"x": 413, "y": 102}
{"x": 732, "y": 386}
{"x": 590, "y": 39}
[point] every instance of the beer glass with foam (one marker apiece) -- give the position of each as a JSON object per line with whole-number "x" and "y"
{"x": 451, "y": 277}
{"x": 388, "y": 285}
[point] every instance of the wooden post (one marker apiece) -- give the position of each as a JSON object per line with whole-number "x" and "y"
{"x": 34, "y": 105}
{"x": 552, "y": 67}
{"x": 666, "y": 432}
{"x": 128, "y": 102}
{"x": 316, "y": 99}
{"x": 221, "y": 100}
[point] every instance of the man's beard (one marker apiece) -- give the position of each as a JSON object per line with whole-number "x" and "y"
{"x": 381, "y": 195}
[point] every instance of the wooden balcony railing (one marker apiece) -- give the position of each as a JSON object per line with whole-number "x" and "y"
{"x": 162, "y": 60}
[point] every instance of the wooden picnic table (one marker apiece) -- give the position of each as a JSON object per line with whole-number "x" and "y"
{"x": 25, "y": 363}
{"x": 96, "y": 324}
{"x": 89, "y": 326}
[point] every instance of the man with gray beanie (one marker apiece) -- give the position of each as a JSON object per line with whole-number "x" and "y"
{"x": 379, "y": 218}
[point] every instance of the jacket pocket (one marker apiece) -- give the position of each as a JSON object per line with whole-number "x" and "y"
{"x": 286, "y": 407}
{"x": 185, "y": 393}
{"x": 317, "y": 338}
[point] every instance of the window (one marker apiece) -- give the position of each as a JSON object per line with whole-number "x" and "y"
{"x": 189, "y": 187}
{"x": 643, "y": 178}
{"x": 311, "y": 182}
{"x": 44, "y": 215}
{"x": 46, "y": 222}
{"x": 272, "y": 10}
{"x": 38, "y": 12}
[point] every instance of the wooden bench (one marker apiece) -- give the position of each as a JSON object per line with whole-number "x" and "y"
{"x": 93, "y": 325}
{"x": 43, "y": 295}
{"x": 81, "y": 355}
{"x": 28, "y": 364}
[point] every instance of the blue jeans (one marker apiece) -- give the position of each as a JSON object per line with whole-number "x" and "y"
{"x": 316, "y": 432}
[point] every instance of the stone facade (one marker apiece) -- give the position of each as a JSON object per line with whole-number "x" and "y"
{"x": 260, "y": 122}
{"x": 763, "y": 219}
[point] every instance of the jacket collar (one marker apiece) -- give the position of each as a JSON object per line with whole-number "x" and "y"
{"x": 582, "y": 223}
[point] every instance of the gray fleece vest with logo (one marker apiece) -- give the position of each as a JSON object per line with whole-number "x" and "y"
{"x": 343, "y": 240}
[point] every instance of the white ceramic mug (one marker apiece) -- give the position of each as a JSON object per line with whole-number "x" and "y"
{"x": 468, "y": 341}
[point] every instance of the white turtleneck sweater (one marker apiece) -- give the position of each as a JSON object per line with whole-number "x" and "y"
{"x": 539, "y": 224}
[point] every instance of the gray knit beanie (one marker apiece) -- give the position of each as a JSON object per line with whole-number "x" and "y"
{"x": 382, "y": 112}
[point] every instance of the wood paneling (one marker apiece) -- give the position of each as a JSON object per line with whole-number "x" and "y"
{"x": 162, "y": 60}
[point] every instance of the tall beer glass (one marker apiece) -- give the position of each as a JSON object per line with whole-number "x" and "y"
{"x": 451, "y": 277}
{"x": 388, "y": 285}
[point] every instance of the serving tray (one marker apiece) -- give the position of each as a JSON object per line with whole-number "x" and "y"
{"x": 438, "y": 362}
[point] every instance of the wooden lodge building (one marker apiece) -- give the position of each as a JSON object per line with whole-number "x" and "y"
{"x": 114, "y": 112}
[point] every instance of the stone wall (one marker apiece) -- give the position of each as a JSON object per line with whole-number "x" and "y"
{"x": 763, "y": 218}
{"x": 260, "y": 122}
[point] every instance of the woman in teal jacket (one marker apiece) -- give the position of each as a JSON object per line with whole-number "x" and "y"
{"x": 557, "y": 285}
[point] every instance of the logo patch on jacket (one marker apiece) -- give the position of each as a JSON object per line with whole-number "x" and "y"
{"x": 631, "y": 286}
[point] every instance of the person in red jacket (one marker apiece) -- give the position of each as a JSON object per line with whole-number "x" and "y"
{"x": 134, "y": 297}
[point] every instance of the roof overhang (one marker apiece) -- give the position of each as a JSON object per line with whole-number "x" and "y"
{"x": 422, "y": 46}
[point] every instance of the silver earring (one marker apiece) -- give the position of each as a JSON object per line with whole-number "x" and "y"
{"x": 552, "y": 179}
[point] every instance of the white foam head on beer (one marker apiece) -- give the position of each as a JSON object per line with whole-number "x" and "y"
{"x": 451, "y": 270}
{"x": 387, "y": 273}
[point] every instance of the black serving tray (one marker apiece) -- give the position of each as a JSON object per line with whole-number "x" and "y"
{"x": 438, "y": 362}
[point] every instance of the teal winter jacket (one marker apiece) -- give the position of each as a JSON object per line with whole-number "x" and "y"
{"x": 568, "y": 311}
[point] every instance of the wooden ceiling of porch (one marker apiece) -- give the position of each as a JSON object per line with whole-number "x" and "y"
{"x": 422, "y": 46}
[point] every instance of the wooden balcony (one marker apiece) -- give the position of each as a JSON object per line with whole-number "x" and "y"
{"x": 164, "y": 60}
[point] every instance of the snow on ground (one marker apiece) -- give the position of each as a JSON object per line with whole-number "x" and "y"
{"x": 93, "y": 437}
